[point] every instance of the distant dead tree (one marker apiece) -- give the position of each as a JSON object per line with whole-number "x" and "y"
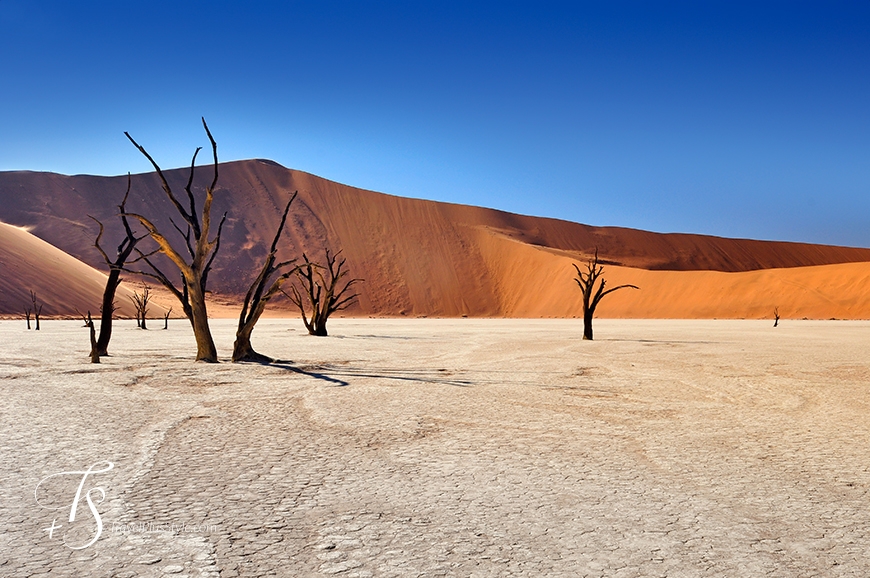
{"x": 37, "y": 310}
{"x": 201, "y": 251}
{"x": 775, "y": 316}
{"x": 324, "y": 290}
{"x": 89, "y": 323}
{"x": 27, "y": 311}
{"x": 264, "y": 287}
{"x": 140, "y": 303}
{"x": 592, "y": 296}
{"x": 166, "y": 318}
{"x": 122, "y": 256}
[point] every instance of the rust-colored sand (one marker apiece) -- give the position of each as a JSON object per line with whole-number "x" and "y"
{"x": 539, "y": 283}
{"x": 421, "y": 257}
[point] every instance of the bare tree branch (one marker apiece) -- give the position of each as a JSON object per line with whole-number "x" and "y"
{"x": 164, "y": 183}
{"x": 140, "y": 303}
{"x": 258, "y": 296}
{"x": 184, "y": 235}
{"x": 592, "y": 294}
{"x": 216, "y": 246}
{"x": 323, "y": 290}
{"x": 194, "y": 274}
{"x": 190, "y": 196}
{"x": 97, "y": 241}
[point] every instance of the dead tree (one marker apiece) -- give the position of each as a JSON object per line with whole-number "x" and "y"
{"x": 27, "y": 311}
{"x": 264, "y": 287}
{"x": 89, "y": 323}
{"x": 776, "y": 316}
{"x": 140, "y": 303}
{"x": 122, "y": 255}
{"x": 166, "y": 318}
{"x": 323, "y": 291}
{"x": 592, "y": 296}
{"x": 37, "y": 310}
{"x": 201, "y": 251}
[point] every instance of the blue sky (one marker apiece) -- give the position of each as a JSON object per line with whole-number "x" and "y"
{"x": 725, "y": 118}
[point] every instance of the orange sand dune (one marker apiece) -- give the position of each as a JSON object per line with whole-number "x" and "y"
{"x": 62, "y": 283}
{"x": 820, "y": 292}
{"x": 540, "y": 283}
{"x": 422, "y": 257}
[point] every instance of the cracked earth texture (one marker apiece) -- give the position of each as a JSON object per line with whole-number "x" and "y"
{"x": 441, "y": 448}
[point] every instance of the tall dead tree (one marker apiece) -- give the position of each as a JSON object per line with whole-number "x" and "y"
{"x": 201, "y": 250}
{"x": 321, "y": 291}
{"x": 140, "y": 303}
{"x": 37, "y": 310}
{"x": 264, "y": 287}
{"x": 593, "y": 295}
{"x": 122, "y": 255}
{"x": 775, "y": 316}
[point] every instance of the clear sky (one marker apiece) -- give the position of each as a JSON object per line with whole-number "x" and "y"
{"x": 745, "y": 119}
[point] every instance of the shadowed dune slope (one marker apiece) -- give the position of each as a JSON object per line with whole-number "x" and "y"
{"x": 61, "y": 282}
{"x": 422, "y": 257}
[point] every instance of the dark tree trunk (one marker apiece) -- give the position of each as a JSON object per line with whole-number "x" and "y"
{"x": 95, "y": 354}
{"x": 593, "y": 295}
{"x": 125, "y": 249}
{"x": 244, "y": 351}
{"x": 587, "y": 325}
{"x": 199, "y": 248}
{"x": 107, "y": 311}
{"x": 37, "y": 310}
{"x": 205, "y": 348}
{"x": 264, "y": 287}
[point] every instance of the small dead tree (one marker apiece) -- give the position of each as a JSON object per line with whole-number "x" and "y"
{"x": 27, "y": 311}
{"x": 140, "y": 303}
{"x": 89, "y": 323}
{"x": 201, "y": 250}
{"x": 37, "y": 310}
{"x": 593, "y": 295}
{"x": 122, "y": 256}
{"x": 776, "y": 316}
{"x": 166, "y": 318}
{"x": 264, "y": 287}
{"x": 323, "y": 291}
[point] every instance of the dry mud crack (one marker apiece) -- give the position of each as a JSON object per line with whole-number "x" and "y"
{"x": 459, "y": 448}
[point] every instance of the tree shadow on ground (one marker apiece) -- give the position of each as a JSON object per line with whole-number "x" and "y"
{"x": 288, "y": 366}
{"x": 326, "y": 373}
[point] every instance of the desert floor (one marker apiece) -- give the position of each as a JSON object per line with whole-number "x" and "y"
{"x": 441, "y": 448}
